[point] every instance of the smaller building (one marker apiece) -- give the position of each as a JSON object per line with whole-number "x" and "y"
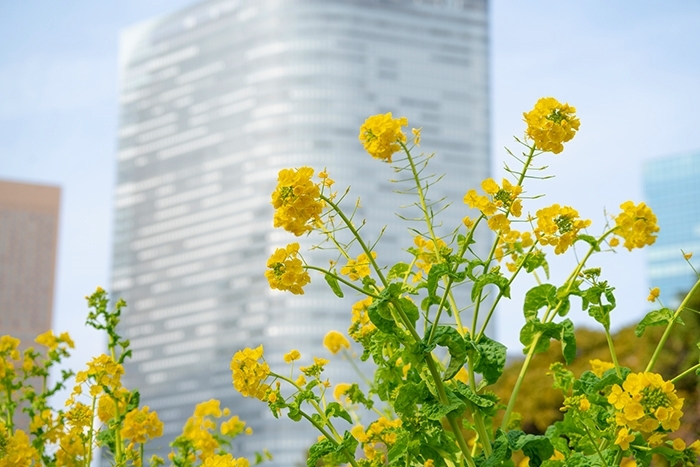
{"x": 672, "y": 189}
{"x": 28, "y": 238}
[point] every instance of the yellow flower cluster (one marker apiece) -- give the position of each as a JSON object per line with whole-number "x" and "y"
{"x": 636, "y": 225}
{"x": 340, "y": 390}
{"x": 645, "y": 403}
{"x": 249, "y": 374}
{"x": 380, "y": 432}
{"x": 52, "y": 342}
{"x": 361, "y": 326}
{"x": 498, "y": 198}
{"x": 381, "y": 135}
{"x": 358, "y": 268}
{"x": 511, "y": 243}
{"x": 334, "y": 341}
{"x": 15, "y": 448}
{"x": 285, "y": 270}
{"x": 426, "y": 255}
{"x": 140, "y": 425}
{"x": 291, "y": 356}
{"x": 551, "y": 123}
{"x": 558, "y": 226}
{"x": 598, "y": 367}
{"x": 103, "y": 375}
{"x": 226, "y": 460}
{"x": 316, "y": 369}
{"x": 297, "y": 200}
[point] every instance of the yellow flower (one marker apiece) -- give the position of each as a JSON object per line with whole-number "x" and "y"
{"x": 358, "y": 268}
{"x": 316, "y": 369}
{"x": 614, "y": 242}
{"x": 678, "y": 444}
{"x": 225, "y": 460}
{"x": 653, "y": 294}
{"x": 361, "y": 326}
{"x": 47, "y": 339}
{"x": 550, "y": 124}
{"x": 598, "y": 367}
{"x": 334, "y": 341}
{"x": 233, "y": 426}
{"x": 624, "y": 438}
{"x": 249, "y": 374}
{"x": 695, "y": 446}
{"x": 15, "y": 449}
{"x": 499, "y": 223}
{"x": 504, "y": 198}
{"x": 296, "y": 200}
{"x": 558, "y": 226}
{"x": 584, "y": 404}
{"x": 462, "y": 376}
{"x": 285, "y": 270}
{"x": 291, "y": 356}
{"x": 687, "y": 256}
{"x": 140, "y": 425}
{"x": 429, "y": 463}
{"x": 108, "y": 403}
{"x": 340, "y": 390}
{"x": 426, "y": 255}
{"x": 381, "y": 135}
{"x": 416, "y": 135}
{"x": 636, "y": 225}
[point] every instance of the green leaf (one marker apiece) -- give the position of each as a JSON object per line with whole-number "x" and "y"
{"x": 397, "y": 271}
{"x": 408, "y": 396}
{"x": 536, "y": 260}
{"x": 568, "y": 341}
{"x": 446, "y": 336}
{"x": 563, "y": 378}
{"x": 410, "y": 309}
{"x": 495, "y": 278}
{"x": 654, "y": 318}
{"x": 544, "y": 295}
{"x": 318, "y": 450}
{"x": 399, "y": 448}
{"x": 473, "y": 397}
{"x": 591, "y": 240}
{"x": 537, "y": 447}
{"x": 435, "y": 410}
{"x": 547, "y": 331}
{"x": 333, "y": 283}
{"x": 490, "y": 358}
{"x": 376, "y": 312}
{"x": 336, "y": 410}
{"x": 601, "y": 313}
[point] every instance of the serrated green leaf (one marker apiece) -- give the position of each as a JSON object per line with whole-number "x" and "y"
{"x": 496, "y": 278}
{"x": 474, "y": 398}
{"x": 410, "y": 309}
{"x": 543, "y": 295}
{"x": 334, "y": 285}
{"x": 376, "y": 312}
{"x": 399, "y": 448}
{"x": 408, "y": 396}
{"x": 489, "y": 358}
{"x": 537, "y": 447}
{"x": 446, "y": 336}
{"x": 336, "y": 410}
{"x": 435, "y": 410}
{"x": 318, "y": 450}
{"x": 398, "y": 271}
{"x": 536, "y": 260}
{"x": 546, "y": 331}
{"x": 654, "y": 318}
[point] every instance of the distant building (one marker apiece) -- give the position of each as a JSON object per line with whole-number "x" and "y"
{"x": 28, "y": 237}
{"x": 672, "y": 189}
{"x": 215, "y": 100}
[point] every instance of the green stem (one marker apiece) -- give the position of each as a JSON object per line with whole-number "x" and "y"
{"x": 595, "y": 445}
{"x": 350, "y": 359}
{"x": 340, "y": 279}
{"x": 685, "y": 373}
{"x": 350, "y": 456}
{"x": 519, "y": 382}
{"x": 613, "y": 354}
{"x": 667, "y": 332}
{"x": 460, "y": 440}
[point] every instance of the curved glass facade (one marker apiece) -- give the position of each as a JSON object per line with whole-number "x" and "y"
{"x": 215, "y": 100}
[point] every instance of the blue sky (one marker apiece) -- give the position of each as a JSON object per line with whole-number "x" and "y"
{"x": 631, "y": 69}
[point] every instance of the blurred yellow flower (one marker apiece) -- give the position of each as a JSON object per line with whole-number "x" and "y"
{"x": 653, "y": 294}
{"x": 334, "y": 341}
{"x": 358, "y": 268}
{"x": 636, "y": 225}
{"x": 285, "y": 270}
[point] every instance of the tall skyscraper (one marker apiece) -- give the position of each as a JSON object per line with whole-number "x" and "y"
{"x": 28, "y": 237}
{"x": 672, "y": 190}
{"x": 215, "y": 100}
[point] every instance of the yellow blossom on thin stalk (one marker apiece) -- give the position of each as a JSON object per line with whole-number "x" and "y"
{"x": 550, "y": 124}
{"x": 361, "y": 326}
{"x": 381, "y": 135}
{"x": 316, "y": 369}
{"x": 249, "y": 374}
{"x": 358, "y": 268}
{"x": 558, "y": 226}
{"x": 334, "y": 341}
{"x": 426, "y": 255}
{"x": 140, "y": 425}
{"x": 285, "y": 270}
{"x": 504, "y": 198}
{"x": 340, "y": 390}
{"x": 291, "y": 356}
{"x": 637, "y": 225}
{"x": 296, "y": 200}
{"x": 653, "y": 294}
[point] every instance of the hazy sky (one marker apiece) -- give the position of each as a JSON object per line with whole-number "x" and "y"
{"x": 631, "y": 68}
